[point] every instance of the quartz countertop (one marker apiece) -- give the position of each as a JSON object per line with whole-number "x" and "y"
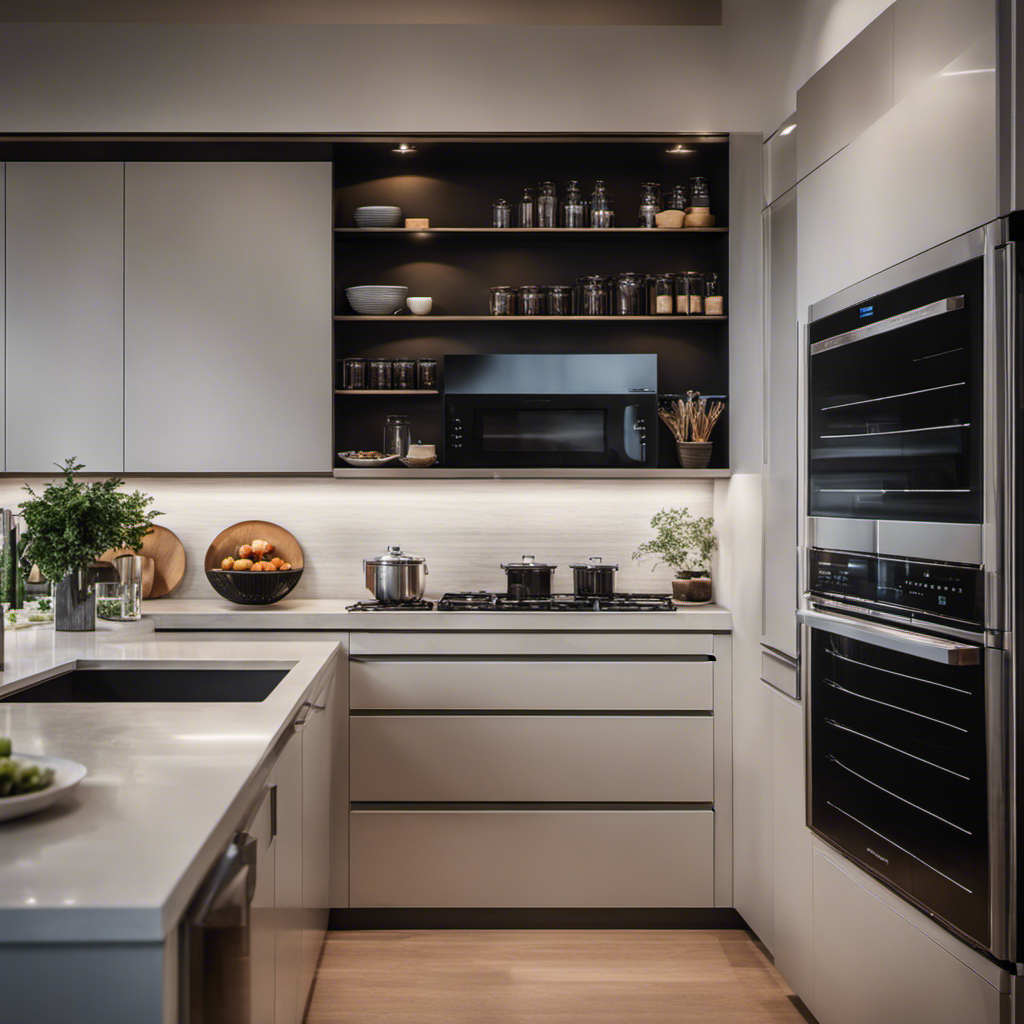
{"x": 305, "y": 613}
{"x": 120, "y": 858}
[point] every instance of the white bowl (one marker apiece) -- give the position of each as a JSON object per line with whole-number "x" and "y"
{"x": 379, "y": 216}
{"x": 377, "y": 299}
{"x": 67, "y": 775}
{"x": 420, "y": 304}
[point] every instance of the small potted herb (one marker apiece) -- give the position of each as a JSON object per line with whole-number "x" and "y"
{"x": 70, "y": 525}
{"x": 684, "y": 543}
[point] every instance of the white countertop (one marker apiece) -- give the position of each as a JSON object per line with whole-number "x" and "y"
{"x": 297, "y": 613}
{"x": 120, "y": 858}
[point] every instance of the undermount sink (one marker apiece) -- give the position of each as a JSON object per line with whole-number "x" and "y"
{"x": 150, "y": 685}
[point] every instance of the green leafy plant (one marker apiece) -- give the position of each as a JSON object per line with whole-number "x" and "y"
{"x": 72, "y": 523}
{"x": 680, "y": 541}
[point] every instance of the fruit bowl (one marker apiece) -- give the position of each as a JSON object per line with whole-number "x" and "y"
{"x": 244, "y": 587}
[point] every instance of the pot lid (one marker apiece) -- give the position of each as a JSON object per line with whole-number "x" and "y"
{"x": 395, "y": 556}
{"x": 528, "y": 562}
{"x": 594, "y": 563}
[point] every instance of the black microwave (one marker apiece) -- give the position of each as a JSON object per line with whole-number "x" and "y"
{"x": 560, "y": 411}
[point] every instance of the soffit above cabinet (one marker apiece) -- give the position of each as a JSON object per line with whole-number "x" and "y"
{"x": 383, "y": 12}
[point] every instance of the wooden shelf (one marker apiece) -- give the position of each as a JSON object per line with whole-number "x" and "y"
{"x": 389, "y": 391}
{"x": 441, "y": 473}
{"x": 568, "y": 232}
{"x": 664, "y": 318}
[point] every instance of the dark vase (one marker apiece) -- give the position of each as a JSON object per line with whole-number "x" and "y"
{"x": 692, "y": 587}
{"x": 75, "y": 603}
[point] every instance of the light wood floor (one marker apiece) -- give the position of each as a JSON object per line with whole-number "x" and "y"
{"x": 548, "y": 977}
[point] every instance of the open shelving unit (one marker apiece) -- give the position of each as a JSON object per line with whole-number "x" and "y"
{"x": 454, "y": 181}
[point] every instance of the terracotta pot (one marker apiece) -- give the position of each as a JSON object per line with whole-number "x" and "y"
{"x": 694, "y": 454}
{"x": 692, "y": 588}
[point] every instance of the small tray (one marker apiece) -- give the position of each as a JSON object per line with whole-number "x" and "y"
{"x": 353, "y": 461}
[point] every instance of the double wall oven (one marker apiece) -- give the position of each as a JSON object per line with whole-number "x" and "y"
{"x": 907, "y": 540}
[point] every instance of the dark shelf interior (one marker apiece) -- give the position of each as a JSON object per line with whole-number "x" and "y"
{"x": 454, "y": 183}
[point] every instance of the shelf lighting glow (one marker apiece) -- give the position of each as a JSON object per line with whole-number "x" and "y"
{"x": 969, "y": 71}
{"x": 788, "y": 129}
{"x": 404, "y": 148}
{"x": 679, "y": 149}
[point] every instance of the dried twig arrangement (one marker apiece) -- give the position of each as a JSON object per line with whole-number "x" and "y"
{"x": 692, "y": 420}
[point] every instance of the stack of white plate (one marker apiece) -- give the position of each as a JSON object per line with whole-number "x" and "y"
{"x": 379, "y": 216}
{"x": 377, "y": 299}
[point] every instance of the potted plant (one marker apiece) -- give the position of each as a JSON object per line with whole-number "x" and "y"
{"x": 70, "y": 525}
{"x": 686, "y": 544}
{"x": 691, "y": 423}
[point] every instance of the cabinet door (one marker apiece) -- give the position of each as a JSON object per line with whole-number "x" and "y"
{"x": 287, "y": 777}
{"x": 317, "y": 774}
{"x": 779, "y": 570}
{"x": 3, "y": 316}
{"x": 261, "y": 917}
{"x": 65, "y": 316}
{"x": 228, "y": 317}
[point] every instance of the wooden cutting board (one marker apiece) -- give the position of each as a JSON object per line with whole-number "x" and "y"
{"x": 168, "y": 555}
{"x": 228, "y": 541}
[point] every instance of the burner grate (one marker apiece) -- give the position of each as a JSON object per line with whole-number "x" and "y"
{"x": 378, "y": 606}
{"x": 483, "y": 601}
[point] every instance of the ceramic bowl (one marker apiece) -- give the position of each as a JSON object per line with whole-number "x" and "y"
{"x": 377, "y": 299}
{"x": 420, "y": 304}
{"x": 379, "y": 216}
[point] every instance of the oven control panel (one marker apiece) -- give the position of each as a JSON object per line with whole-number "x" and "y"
{"x": 937, "y": 589}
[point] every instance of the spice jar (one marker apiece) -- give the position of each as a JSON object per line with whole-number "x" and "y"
{"x": 650, "y": 204}
{"x": 690, "y": 293}
{"x": 714, "y": 301}
{"x": 427, "y": 375}
{"x": 380, "y": 375}
{"x": 547, "y": 205}
{"x": 502, "y": 214}
{"x": 601, "y": 213}
{"x": 397, "y": 436}
{"x": 572, "y": 207}
{"x": 531, "y": 300}
{"x": 525, "y": 209}
{"x": 629, "y": 295}
{"x": 560, "y": 300}
{"x": 676, "y": 198}
{"x": 663, "y": 292}
{"x": 354, "y": 374}
{"x": 503, "y": 300}
{"x": 595, "y": 295}
{"x": 700, "y": 197}
{"x": 404, "y": 374}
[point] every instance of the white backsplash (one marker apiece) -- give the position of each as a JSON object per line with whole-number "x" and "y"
{"x": 464, "y": 528}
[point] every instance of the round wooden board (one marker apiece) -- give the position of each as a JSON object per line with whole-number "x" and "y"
{"x": 168, "y": 555}
{"x": 228, "y": 541}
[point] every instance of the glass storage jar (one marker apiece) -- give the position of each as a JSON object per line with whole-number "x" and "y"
{"x": 355, "y": 374}
{"x": 547, "y": 205}
{"x": 531, "y": 300}
{"x": 663, "y": 294}
{"x": 714, "y": 301}
{"x": 675, "y": 199}
{"x": 650, "y": 204}
{"x": 380, "y": 375}
{"x": 502, "y": 214}
{"x": 404, "y": 372}
{"x": 572, "y": 207}
{"x": 700, "y": 196}
{"x": 595, "y": 295}
{"x": 601, "y": 213}
{"x": 690, "y": 293}
{"x": 560, "y": 300}
{"x": 397, "y": 436}
{"x": 525, "y": 209}
{"x": 503, "y": 300}
{"x": 427, "y": 376}
{"x": 629, "y": 295}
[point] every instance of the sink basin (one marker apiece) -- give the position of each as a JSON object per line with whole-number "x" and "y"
{"x": 149, "y": 685}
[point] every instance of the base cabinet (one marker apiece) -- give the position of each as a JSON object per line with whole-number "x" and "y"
{"x": 287, "y": 780}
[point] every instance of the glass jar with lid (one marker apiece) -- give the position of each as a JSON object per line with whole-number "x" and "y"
{"x": 503, "y": 300}
{"x": 663, "y": 294}
{"x": 547, "y": 205}
{"x": 502, "y": 214}
{"x": 380, "y": 375}
{"x": 531, "y": 300}
{"x": 560, "y": 300}
{"x": 427, "y": 375}
{"x": 675, "y": 199}
{"x": 700, "y": 196}
{"x": 572, "y": 206}
{"x": 629, "y": 295}
{"x": 354, "y": 374}
{"x": 404, "y": 372}
{"x": 714, "y": 300}
{"x": 397, "y": 436}
{"x": 690, "y": 293}
{"x": 524, "y": 218}
{"x": 601, "y": 213}
{"x": 650, "y": 204}
{"x": 595, "y": 295}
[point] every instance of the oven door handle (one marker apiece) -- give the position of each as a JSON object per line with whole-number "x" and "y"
{"x": 918, "y": 645}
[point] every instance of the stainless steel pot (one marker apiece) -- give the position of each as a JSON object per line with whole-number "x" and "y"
{"x": 394, "y": 577}
{"x": 528, "y": 578}
{"x": 593, "y": 578}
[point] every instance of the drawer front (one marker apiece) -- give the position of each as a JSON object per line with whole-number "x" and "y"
{"x": 605, "y": 685}
{"x": 586, "y": 758}
{"x": 511, "y": 644}
{"x": 532, "y": 858}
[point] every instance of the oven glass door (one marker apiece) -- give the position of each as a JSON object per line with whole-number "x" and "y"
{"x": 898, "y": 773}
{"x": 895, "y": 385}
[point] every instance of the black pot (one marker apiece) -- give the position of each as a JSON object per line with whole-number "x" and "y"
{"x": 528, "y": 578}
{"x": 593, "y": 578}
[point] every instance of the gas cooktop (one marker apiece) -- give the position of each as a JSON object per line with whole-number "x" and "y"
{"x": 484, "y": 601}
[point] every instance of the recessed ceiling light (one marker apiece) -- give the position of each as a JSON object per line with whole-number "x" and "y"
{"x": 789, "y": 128}
{"x": 679, "y": 149}
{"x": 404, "y": 148}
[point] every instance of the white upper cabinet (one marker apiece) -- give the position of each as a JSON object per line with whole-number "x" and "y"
{"x": 228, "y": 317}
{"x": 779, "y": 164}
{"x": 64, "y": 315}
{"x": 3, "y": 313}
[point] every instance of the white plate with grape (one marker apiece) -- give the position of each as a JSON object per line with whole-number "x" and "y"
{"x": 29, "y": 782}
